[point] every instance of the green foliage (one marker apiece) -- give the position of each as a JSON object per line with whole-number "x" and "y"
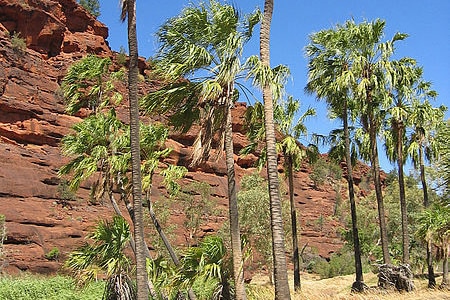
{"x": 49, "y": 288}
{"x": 92, "y": 6}
{"x": 254, "y": 216}
{"x": 18, "y": 43}
{"x": 207, "y": 264}
{"x": 122, "y": 56}
{"x": 105, "y": 256}
{"x": 89, "y": 84}
{"x": 325, "y": 171}
{"x": 2, "y": 234}
{"x": 369, "y": 231}
{"x": 197, "y": 205}
{"x": 64, "y": 191}
{"x": 53, "y": 254}
{"x": 339, "y": 264}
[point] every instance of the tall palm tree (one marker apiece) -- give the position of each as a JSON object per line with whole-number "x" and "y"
{"x": 279, "y": 255}
{"x": 204, "y": 44}
{"x": 329, "y": 78}
{"x": 368, "y": 80}
{"x": 129, "y": 12}
{"x": 292, "y": 129}
{"x": 293, "y": 154}
{"x": 406, "y": 76}
{"x": 424, "y": 120}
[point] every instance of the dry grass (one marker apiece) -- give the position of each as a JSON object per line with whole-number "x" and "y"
{"x": 338, "y": 288}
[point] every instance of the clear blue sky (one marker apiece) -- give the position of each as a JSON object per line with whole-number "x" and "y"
{"x": 426, "y": 21}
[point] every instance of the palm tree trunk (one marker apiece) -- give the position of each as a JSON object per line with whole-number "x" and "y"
{"x": 358, "y": 285}
{"x": 141, "y": 272}
{"x": 295, "y": 256}
{"x": 117, "y": 210}
{"x": 445, "y": 280}
{"x": 431, "y": 277}
{"x": 377, "y": 182}
{"x": 238, "y": 263}
{"x": 422, "y": 178}
{"x": 279, "y": 253}
{"x": 401, "y": 184}
{"x": 426, "y": 203}
{"x": 166, "y": 242}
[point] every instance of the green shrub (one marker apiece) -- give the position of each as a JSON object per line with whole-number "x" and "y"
{"x": 49, "y": 288}
{"x": 122, "y": 56}
{"x": 339, "y": 264}
{"x": 52, "y": 254}
{"x": 18, "y": 43}
{"x": 325, "y": 171}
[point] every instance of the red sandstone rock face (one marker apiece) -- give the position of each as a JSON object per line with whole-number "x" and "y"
{"x": 54, "y": 26}
{"x": 32, "y": 122}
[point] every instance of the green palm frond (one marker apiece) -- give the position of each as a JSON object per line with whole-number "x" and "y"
{"x": 88, "y": 83}
{"x": 104, "y": 254}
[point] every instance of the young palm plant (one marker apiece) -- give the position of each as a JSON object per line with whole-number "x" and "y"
{"x": 105, "y": 256}
{"x": 204, "y": 44}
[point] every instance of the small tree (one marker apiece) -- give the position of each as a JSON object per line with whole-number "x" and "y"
{"x": 92, "y": 6}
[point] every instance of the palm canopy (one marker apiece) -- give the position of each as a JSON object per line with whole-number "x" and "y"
{"x": 288, "y": 123}
{"x": 90, "y": 84}
{"x": 105, "y": 252}
{"x": 203, "y": 44}
{"x": 425, "y": 120}
{"x": 101, "y": 143}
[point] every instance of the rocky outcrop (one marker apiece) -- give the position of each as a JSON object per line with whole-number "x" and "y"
{"x": 32, "y": 122}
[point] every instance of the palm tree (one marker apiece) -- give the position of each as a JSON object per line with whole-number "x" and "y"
{"x": 424, "y": 120}
{"x": 90, "y": 84}
{"x": 279, "y": 255}
{"x": 329, "y": 77}
{"x": 106, "y": 255}
{"x": 366, "y": 75}
{"x": 264, "y": 76}
{"x": 129, "y": 11}
{"x": 406, "y": 78}
{"x": 204, "y": 44}
{"x": 293, "y": 153}
{"x": 434, "y": 228}
{"x": 207, "y": 262}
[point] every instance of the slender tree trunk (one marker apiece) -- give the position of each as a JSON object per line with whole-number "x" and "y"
{"x": 377, "y": 182}
{"x": 166, "y": 242}
{"x": 445, "y": 280}
{"x": 282, "y": 291}
{"x": 295, "y": 256}
{"x": 117, "y": 210}
{"x": 358, "y": 285}
{"x": 422, "y": 178}
{"x": 431, "y": 276}
{"x": 238, "y": 262}
{"x": 141, "y": 272}
{"x": 430, "y": 267}
{"x": 401, "y": 184}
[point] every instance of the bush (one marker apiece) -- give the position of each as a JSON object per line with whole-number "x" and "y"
{"x": 339, "y": 264}
{"x": 52, "y": 254}
{"x": 18, "y": 44}
{"x": 49, "y": 288}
